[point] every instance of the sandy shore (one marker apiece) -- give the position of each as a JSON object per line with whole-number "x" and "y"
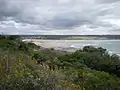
{"x": 64, "y": 45}
{"x": 72, "y": 45}
{"x": 53, "y": 43}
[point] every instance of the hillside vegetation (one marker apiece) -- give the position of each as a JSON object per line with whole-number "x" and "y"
{"x": 25, "y": 66}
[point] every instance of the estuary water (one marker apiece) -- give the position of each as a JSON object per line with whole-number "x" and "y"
{"x": 113, "y": 46}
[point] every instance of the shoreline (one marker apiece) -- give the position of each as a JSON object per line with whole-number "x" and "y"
{"x": 73, "y": 45}
{"x": 57, "y": 46}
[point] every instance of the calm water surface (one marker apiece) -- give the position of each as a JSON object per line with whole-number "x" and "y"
{"x": 113, "y": 46}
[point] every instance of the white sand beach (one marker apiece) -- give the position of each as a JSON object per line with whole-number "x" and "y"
{"x": 54, "y": 43}
{"x": 72, "y": 45}
{"x": 64, "y": 45}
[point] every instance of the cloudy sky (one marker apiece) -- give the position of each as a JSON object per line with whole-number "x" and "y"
{"x": 79, "y": 17}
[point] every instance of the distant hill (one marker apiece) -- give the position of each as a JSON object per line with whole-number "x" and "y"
{"x": 70, "y": 37}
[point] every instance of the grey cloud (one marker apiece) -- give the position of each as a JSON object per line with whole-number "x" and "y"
{"x": 107, "y": 1}
{"x": 2, "y": 8}
{"x": 60, "y": 14}
{"x": 6, "y": 10}
{"x": 62, "y": 22}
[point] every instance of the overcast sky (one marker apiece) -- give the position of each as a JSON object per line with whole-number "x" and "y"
{"x": 79, "y": 17}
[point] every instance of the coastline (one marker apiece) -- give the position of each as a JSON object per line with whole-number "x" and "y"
{"x": 73, "y": 45}
{"x": 54, "y": 43}
{"x": 61, "y": 45}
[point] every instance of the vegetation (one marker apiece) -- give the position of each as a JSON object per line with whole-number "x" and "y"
{"x": 26, "y": 66}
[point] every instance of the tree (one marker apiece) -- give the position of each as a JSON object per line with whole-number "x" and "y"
{"x": 13, "y": 37}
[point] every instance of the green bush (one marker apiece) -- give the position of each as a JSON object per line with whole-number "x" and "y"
{"x": 91, "y": 68}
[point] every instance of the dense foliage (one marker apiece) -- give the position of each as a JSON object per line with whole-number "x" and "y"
{"x": 94, "y": 58}
{"x": 25, "y": 66}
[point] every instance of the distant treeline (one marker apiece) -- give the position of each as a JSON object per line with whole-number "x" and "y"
{"x": 54, "y": 37}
